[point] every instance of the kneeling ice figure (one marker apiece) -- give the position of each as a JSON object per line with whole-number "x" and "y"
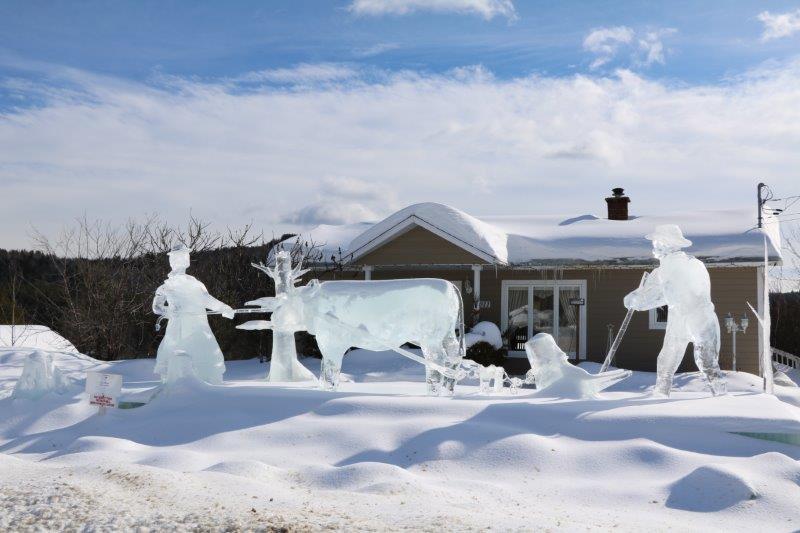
{"x": 681, "y": 282}
{"x": 39, "y": 376}
{"x": 184, "y": 300}
{"x": 554, "y": 372}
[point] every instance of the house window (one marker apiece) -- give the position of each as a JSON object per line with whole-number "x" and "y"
{"x": 544, "y": 306}
{"x": 658, "y": 317}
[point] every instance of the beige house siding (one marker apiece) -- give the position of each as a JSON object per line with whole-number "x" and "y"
{"x": 731, "y": 288}
{"x": 419, "y": 246}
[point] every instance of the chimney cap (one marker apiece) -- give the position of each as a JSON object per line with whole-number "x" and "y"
{"x": 618, "y": 191}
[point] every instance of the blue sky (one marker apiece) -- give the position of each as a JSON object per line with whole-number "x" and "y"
{"x": 291, "y": 114}
{"x": 134, "y": 40}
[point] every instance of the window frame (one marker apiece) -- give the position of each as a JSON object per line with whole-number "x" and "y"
{"x": 530, "y": 284}
{"x": 654, "y": 323}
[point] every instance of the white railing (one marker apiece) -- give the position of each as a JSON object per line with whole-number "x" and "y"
{"x": 785, "y": 359}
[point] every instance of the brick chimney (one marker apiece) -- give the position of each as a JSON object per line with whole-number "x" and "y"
{"x": 618, "y": 204}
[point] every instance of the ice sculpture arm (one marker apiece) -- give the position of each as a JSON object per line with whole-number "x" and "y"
{"x": 215, "y": 305}
{"x": 648, "y": 296}
{"x": 159, "y": 302}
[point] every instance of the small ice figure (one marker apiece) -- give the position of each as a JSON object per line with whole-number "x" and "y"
{"x": 681, "y": 282}
{"x": 485, "y": 376}
{"x": 39, "y": 376}
{"x": 555, "y": 373}
{"x": 376, "y": 315}
{"x": 184, "y": 300}
{"x": 284, "y": 365}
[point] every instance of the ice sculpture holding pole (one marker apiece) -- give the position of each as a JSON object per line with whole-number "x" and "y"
{"x": 681, "y": 282}
{"x": 555, "y": 374}
{"x": 185, "y": 301}
{"x": 284, "y": 365}
{"x": 377, "y": 315}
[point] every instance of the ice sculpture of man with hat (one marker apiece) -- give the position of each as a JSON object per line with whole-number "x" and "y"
{"x": 185, "y": 301}
{"x": 681, "y": 282}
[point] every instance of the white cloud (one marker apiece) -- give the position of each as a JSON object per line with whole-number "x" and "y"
{"x": 777, "y": 26}
{"x": 604, "y": 42}
{"x": 300, "y": 74}
{"x": 375, "y": 49}
{"x": 608, "y": 44}
{"x": 488, "y": 9}
{"x": 343, "y": 200}
{"x": 537, "y": 144}
{"x": 651, "y": 46}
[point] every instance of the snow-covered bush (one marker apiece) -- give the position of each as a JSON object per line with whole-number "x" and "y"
{"x": 485, "y": 332}
{"x": 485, "y": 354}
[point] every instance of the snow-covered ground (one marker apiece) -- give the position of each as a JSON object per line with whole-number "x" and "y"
{"x": 380, "y": 455}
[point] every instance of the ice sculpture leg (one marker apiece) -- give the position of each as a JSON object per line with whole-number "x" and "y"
{"x": 331, "y": 365}
{"x": 669, "y": 359}
{"x": 706, "y": 357}
{"x": 433, "y": 378}
{"x": 452, "y": 348}
{"x": 330, "y": 372}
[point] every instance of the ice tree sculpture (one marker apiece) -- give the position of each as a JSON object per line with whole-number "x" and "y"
{"x": 185, "y": 301}
{"x": 39, "y": 376}
{"x": 681, "y": 282}
{"x": 284, "y": 365}
{"x": 377, "y": 315}
{"x": 555, "y": 374}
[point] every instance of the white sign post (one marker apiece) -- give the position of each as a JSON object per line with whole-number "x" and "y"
{"x": 103, "y": 389}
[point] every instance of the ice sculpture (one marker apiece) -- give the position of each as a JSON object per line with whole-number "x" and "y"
{"x": 376, "y": 315}
{"x": 681, "y": 282}
{"x": 39, "y": 376}
{"x": 284, "y": 365}
{"x": 555, "y": 374}
{"x": 180, "y": 367}
{"x": 185, "y": 301}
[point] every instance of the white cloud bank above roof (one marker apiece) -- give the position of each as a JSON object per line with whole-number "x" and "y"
{"x": 114, "y": 149}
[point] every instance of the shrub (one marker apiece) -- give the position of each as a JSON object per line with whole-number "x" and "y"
{"x": 485, "y": 354}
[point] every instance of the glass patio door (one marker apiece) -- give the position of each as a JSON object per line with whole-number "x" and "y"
{"x": 544, "y": 307}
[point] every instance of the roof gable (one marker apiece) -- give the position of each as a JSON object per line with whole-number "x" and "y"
{"x": 473, "y": 236}
{"x": 417, "y": 245}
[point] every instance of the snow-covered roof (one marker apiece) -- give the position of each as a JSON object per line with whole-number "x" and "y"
{"x": 717, "y": 235}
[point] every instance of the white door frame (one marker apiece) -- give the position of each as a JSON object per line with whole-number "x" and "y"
{"x": 530, "y": 284}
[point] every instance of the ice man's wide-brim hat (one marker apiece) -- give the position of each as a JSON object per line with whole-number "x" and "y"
{"x": 669, "y": 235}
{"x": 179, "y": 248}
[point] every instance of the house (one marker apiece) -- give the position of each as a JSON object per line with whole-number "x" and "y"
{"x": 565, "y": 275}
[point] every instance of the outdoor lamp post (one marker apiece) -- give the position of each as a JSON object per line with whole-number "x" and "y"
{"x": 733, "y": 328}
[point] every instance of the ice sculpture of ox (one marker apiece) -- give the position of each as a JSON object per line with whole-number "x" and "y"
{"x": 375, "y": 315}
{"x": 559, "y": 378}
{"x": 185, "y": 301}
{"x": 681, "y": 282}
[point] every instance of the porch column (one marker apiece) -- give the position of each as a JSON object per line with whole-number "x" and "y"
{"x": 476, "y": 284}
{"x": 367, "y": 272}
